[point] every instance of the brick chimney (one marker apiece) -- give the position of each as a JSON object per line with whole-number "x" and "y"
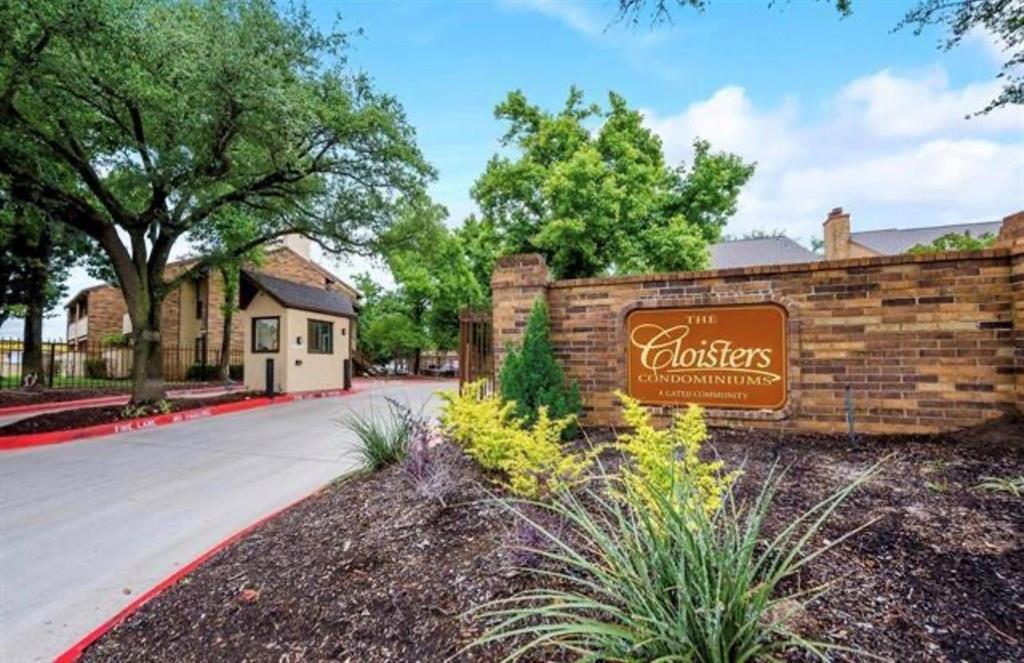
{"x": 296, "y": 242}
{"x": 837, "y": 235}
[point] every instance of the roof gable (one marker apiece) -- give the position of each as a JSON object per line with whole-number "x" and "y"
{"x": 294, "y": 295}
{"x": 893, "y": 241}
{"x": 759, "y": 251}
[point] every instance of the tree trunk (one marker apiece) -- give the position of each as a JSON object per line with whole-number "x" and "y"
{"x": 35, "y": 308}
{"x": 32, "y": 344}
{"x": 416, "y": 361}
{"x": 230, "y": 279}
{"x": 147, "y": 355}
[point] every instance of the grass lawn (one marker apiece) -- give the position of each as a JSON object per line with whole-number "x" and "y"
{"x": 66, "y": 382}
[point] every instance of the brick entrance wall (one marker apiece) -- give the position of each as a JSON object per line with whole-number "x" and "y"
{"x": 926, "y": 343}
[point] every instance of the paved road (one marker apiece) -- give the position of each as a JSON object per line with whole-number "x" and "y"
{"x": 86, "y": 526}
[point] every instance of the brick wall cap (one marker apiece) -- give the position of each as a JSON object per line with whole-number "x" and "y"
{"x": 520, "y": 260}
{"x": 770, "y": 270}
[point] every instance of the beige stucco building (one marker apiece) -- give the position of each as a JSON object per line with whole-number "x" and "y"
{"x": 296, "y": 337}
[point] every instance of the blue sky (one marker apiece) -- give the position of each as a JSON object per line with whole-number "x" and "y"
{"x": 835, "y": 111}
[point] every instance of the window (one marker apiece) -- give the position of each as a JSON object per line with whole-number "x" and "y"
{"x": 199, "y": 309}
{"x": 266, "y": 334}
{"x": 321, "y": 337}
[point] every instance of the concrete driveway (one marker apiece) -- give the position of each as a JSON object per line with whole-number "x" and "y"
{"x": 86, "y": 526}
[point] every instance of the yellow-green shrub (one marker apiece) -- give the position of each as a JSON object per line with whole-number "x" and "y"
{"x": 480, "y": 423}
{"x": 659, "y": 459}
{"x": 532, "y": 459}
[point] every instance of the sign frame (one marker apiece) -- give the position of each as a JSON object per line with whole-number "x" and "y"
{"x": 697, "y": 309}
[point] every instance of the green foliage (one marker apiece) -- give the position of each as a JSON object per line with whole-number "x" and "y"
{"x": 96, "y": 368}
{"x": 139, "y": 122}
{"x": 384, "y": 435}
{"x": 1009, "y": 485}
{"x": 114, "y": 338}
{"x": 433, "y": 282}
{"x": 955, "y": 242}
{"x": 134, "y": 411}
{"x": 657, "y": 580}
{"x": 599, "y": 202}
{"x": 660, "y": 459}
{"x": 532, "y": 459}
{"x": 38, "y": 254}
{"x": 210, "y": 372}
{"x": 531, "y": 377}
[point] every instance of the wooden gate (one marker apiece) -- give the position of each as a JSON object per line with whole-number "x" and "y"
{"x": 476, "y": 349}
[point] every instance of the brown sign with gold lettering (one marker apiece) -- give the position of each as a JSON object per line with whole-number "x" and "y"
{"x": 716, "y": 356}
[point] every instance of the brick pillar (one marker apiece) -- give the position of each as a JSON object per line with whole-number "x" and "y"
{"x": 1017, "y": 287}
{"x": 1012, "y": 230}
{"x": 517, "y": 282}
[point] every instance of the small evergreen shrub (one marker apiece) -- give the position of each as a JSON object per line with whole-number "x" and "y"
{"x": 96, "y": 369}
{"x": 532, "y": 458}
{"x": 531, "y": 377}
{"x": 201, "y": 373}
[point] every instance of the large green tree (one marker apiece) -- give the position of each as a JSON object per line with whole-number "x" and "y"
{"x": 137, "y": 121}
{"x": 37, "y": 256}
{"x": 1002, "y": 19}
{"x": 434, "y": 281}
{"x": 601, "y": 199}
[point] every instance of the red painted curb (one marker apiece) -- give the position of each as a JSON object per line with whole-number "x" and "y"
{"x": 99, "y": 401}
{"x": 11, "y": 442}
{"x": 76, "y": 650}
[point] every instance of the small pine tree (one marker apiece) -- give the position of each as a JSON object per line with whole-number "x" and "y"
{"x": 532, "y": 377}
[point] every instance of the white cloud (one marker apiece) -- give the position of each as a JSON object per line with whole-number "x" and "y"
{"x": 575, "y": 15}
{"x": 889, "y": 105}
{"x": 894, "y": 150}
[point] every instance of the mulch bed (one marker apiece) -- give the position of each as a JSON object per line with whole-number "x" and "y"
{"x": 368, "y": 571}
{"x": 39, "y": 395}
{"x": 91, "y": 416}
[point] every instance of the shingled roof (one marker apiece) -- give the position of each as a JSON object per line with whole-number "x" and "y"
{"x": 295, "y": 295}
{"x": 893, "y": 241}
{"x": 759, "y": 251}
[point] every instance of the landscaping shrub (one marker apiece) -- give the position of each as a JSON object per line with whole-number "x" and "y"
{"x": 532, "y": 378}
{"x": 201, "y": 373}
{"x": 96, "y": 369}
{"x": 665, "y": 578}
{"x": 532, "y": 459}
{"x": 384, "y": 437}
{"x": 429, "y": 467}
{"x": 659, "y": 459}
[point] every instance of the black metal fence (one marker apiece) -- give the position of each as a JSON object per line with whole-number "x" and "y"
{"x": 108, "y": 365}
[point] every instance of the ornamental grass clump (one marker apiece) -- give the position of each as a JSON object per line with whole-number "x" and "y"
{"x": 660, "y": 577}
{"x": 532, "y": 460}
{"x": 384, "y": 435}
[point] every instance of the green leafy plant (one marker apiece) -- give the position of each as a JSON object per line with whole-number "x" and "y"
{"x": 658, "y": 580}
{"x": 955, "y": 242}
{"x": 384, "y": 435}
{"x": 532, "y": 458}
{"x": 96, "y": 369}
{"x": 531, "y": 377}
{"x": 1010, "y": 485}
{"x": 657, "y": 459}
{"x": 201, "y": 373}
